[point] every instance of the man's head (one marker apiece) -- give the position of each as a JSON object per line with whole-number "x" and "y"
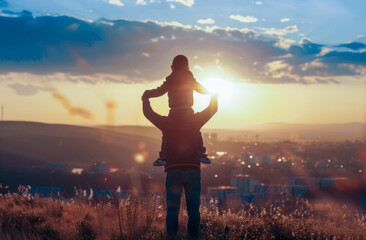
{"x": 180, "y": 62}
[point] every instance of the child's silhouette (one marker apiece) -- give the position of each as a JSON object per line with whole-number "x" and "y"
{"x": 179, "y": 85}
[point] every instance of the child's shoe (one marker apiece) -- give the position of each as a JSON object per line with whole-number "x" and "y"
{"x": 204, "y": 159}
{"x": 160, "y": 162}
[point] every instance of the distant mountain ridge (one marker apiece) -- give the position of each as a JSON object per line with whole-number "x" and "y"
{"x": 76, "y": 146}
{"x": 269, "y": 131}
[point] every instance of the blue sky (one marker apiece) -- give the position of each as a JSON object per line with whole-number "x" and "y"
{"x": 325, "y": 21}
{"x": 302, "y": 41}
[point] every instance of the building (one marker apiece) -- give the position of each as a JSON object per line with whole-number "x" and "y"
{"x": 213, "y": 138}
{"x": 243, "y": 183}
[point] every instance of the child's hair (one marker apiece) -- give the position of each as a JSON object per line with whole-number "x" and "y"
{"x": 180, "y": 62}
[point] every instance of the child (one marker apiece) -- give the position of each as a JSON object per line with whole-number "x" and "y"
{"x": 179, "y": 85}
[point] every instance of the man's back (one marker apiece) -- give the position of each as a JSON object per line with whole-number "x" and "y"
{"x": 182, "y": 134}
{"x": 182, "y": 131}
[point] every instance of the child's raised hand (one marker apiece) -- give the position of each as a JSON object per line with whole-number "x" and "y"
{"x": 144, "y": 96}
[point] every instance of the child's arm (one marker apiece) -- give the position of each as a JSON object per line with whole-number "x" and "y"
{"x": 200, "y": 89}
{"x": 157, "y": 92}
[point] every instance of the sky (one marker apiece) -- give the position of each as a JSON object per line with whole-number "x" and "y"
{"x": 88, "y": 62}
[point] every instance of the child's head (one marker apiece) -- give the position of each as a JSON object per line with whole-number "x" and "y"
{"x": 180, "y": 62}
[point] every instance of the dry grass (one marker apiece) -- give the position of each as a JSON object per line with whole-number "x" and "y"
{"x": 26, "y": 217}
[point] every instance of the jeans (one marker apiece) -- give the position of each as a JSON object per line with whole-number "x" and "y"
{"x": 176, "y": 180}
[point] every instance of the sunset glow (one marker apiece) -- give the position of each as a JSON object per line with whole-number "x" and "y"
{"x": 267, "y": 66}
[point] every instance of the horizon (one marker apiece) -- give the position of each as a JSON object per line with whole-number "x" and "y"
{"x": 268, "y": 132}
{"x": 223, "y": 128}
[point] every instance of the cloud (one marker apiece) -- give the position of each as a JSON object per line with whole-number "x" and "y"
{"x": 73, "y": 110}
{"x": 27, "y": 89}
{"x": 326, "y": 81}
{"x": 246, "y": 19}
{"x": 110, "y": 109}
{"x": 279, "y": 32}
{"x": 141, "y": 2}
{"x": 291, "y": 29}
{"x": 206, "y": 21}
{"x": 353, "y": 45}
{"x": 63, "y": 48}
{"x": 188, "y": 3}
{"x": 285, "y": 20}
{"x": 171, "y": 6}
{"x": 114, "y": 2}
{"x": 259, "y": 3}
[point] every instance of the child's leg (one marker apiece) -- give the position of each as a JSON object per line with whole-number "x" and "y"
{"x": 203, "y": 156}
{"x": 161, "y": 161}
{"x": 200, "y": 142}
{"x": 162, "y": 153}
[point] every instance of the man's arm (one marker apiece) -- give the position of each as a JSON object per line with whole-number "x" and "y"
{"x": 200, "y": 89}
{"x": 153, "y": 117}
{"x": 157, "y": 92}
{"x": 205, "y": 115}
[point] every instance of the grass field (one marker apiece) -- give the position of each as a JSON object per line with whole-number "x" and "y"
{"x": 23, "y": 216}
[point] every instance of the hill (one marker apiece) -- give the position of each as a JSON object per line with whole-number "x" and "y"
{"x": 25, "y": 144}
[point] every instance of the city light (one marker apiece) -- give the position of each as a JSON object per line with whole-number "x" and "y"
{"x": 216, "y": 176}
{"x": 113, "y": 170}
{"x": 139, "y": 157}
{"x": 77, "y": 170}
{"x": 220, "y": 153}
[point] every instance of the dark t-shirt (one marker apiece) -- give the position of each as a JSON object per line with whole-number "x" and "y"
{"x": 179, "y": 85}
{"x": 182, "y": 134}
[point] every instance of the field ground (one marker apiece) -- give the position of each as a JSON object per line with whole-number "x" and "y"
{"x": 23, "y": 216}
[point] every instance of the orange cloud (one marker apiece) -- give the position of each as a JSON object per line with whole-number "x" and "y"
{"x": 73, "y": 110}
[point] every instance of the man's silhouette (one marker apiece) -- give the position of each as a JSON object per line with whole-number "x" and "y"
{"x": 179, "y": 85}
{"x": 182, "y": 132}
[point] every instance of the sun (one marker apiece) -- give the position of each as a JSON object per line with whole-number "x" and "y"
{"x": 226, "y": 91}
{"x": 217, "y": 85}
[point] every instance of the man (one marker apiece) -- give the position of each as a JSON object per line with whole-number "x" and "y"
{"x": 182, "y": 132}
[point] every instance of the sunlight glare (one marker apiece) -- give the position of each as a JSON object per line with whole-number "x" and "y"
{"x": 218, "y": 85}
{"x": 225, "y": 89}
